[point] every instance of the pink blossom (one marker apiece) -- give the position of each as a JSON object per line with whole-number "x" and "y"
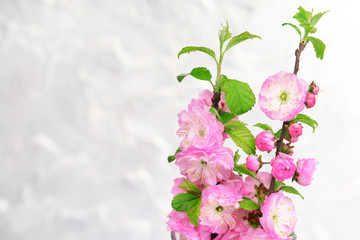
{"x": 265, "y": 141}
{"x": 218, "y": 208}
{"x": 310, "y": 100}
{"x": 235, "y": 182}
{"x": 240, "y": 228}
{"x": 265, "y": 178}
{"x": 222, "y": 104}
{"x": 204, "y": 234}
{"x": 175, "y": 190}
{"x": 283, "y": 167}
{"x": 206, "y": 166}
{"x": 252, "y": 162}
{"x": 295, "y": 130}
{"x": 199, "y": 127}
{"x": 242, "y": 225}
{"x": 206, "y": 97}
{"x": 279, "y": 218}
{"x": 248, "y": 188}
{"x": 282, "y": 96}
{"x": 305, "y": 171}
{"x": 179, "y": 222}
{"x": 257, "y": 234}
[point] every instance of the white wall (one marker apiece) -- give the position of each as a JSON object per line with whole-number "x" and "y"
{"x": 89, "y": 103}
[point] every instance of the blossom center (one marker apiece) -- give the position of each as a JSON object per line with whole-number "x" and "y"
{"x": 203, "y": 162}
{"x": 283, "y": 96}
{"x": 219, "y": 209}
{"x": 202, "y": 132}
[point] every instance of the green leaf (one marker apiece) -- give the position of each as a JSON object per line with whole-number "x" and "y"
{"x": 248, "y": 204}
{"x": 236, "y": 156}
{"x": 193, "y": 211}
{"x": 278, "y": 184}
{"x": 244, "y": 170}
{"x": 190, "y": 186}
{"x": 277, "y": 134}
{"x": 241, "y": 136}
{"x": 172, "y": 158}
{"x": 182, "y": 201}
{"x": 238, "y": 96}
{"x": 307, "y": 120}
{"x": 240, "y": 38}
{"x": 224, "y": 34}
{"x": 201, "y": 73}
{"x": 264, "y": 126}
{"x": 303, "y": 17}
{"x": 319, "y": 47}
{"x": 226, "y": 117}
{"x": 292, "y": 190}
{"x": 238, "y": 172}
{"x": 182, "y": 76}
{"x": 293, "y": 26}
{"x": 314, "y": 20}
{"x": 190, "y": 49}
{"x": 216, "y": 112}
{"x": 312, "y": 30}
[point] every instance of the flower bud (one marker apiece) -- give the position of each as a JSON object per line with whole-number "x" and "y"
{"x": 295, "y": 130}
{"x": 283, "y": 167}
{"x": 310, "y": 100}
{"x": 305, "y": 171}
{"x": 265, "y": 141}
{"x": 288, "y": 149}
{"x": 252, "y": 163}
{"x": 294, "y": 140}
{"x": 314, "y": 88}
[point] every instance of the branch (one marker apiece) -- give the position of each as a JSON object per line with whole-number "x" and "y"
{"x": 279, "y": 143}
{"x": 298, "y": 51}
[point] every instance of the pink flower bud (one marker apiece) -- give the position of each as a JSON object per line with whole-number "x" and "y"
{"x": 315, "y": 89}
{"x": 291, "y": 152}
{"x": 265, "y": 141}
{"x": 295, "y": 130}
{"x": 283, "y": 167}
{"x": 288, "y": 149}
{"x": 294, "y": 140}
{"x": 310, "y": 100}
{"x": 252, "y": 163}
{"x": 305, "y": 171}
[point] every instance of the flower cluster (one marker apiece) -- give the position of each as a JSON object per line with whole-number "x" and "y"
{"x": 206, "y": 163}
{"x": 220, "y": 198}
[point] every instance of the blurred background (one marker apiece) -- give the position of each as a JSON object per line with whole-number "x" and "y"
{"x": 89, "y": 102}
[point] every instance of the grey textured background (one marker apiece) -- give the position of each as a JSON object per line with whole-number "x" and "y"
{"x": 89, "y": 104}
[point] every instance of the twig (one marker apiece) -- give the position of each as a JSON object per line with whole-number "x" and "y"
{"x": 279, "y": 143}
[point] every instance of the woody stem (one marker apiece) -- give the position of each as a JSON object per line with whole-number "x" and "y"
{"x": 279, "y": 143}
